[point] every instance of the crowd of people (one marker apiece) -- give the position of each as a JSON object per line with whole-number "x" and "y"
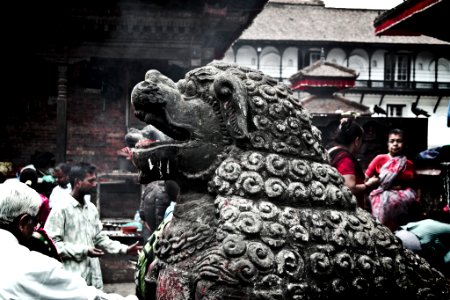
{"x": 53, "y": 247}
{"x": 31, "y": 274}
{"x": 53, "y": 239}
{"x": 388, "y": 189}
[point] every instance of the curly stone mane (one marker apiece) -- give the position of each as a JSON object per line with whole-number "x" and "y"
{"x": 275, "y": 122}
{"x": 276, "y": 220}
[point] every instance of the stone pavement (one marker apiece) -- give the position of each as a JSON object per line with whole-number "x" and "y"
{"x": 122, "y": 288}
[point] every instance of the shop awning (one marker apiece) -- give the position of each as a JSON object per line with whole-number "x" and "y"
{"x": 416, "y": 17}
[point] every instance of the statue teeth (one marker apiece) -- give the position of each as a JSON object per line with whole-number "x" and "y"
{"x": 159, "y": 168}
{"x": 150, "y": 164}
{"x": 167, "y": 170}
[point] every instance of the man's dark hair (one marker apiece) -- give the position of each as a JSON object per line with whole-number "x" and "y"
{"x": 79, "y": 171}
{"x": 397, "y": 131}
{"x": 29, "y": 176}
{"x": 172, "y": 189}
{"x": 42, "y": 160}
{"x": 64, "y": 167}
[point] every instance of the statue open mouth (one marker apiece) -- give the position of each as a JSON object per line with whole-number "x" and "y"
{"x": 154, "y": 151}
{"x": 180, "y": 126}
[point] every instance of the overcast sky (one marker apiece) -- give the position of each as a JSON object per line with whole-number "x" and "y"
{"x": 370, "y": 4}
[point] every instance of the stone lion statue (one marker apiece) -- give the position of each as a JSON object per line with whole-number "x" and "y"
{"x": 263, "y": 215}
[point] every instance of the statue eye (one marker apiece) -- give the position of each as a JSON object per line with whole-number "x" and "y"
{"x": 191, "y": 89}
{"x": 181, "y": 85}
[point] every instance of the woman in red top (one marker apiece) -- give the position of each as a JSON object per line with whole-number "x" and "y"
{"x": 39, "y": 241}
{"x": 348, "y": 140}
{"x": 392, "y": 202}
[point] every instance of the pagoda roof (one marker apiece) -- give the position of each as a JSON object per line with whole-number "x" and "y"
{"x": 332, "y": 104}
{"x": 323, "y": 74}
{"x": 325, "y": 69}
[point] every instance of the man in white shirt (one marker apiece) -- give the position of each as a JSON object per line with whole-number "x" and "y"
{"x": 63, "y": 188}
{"x": 28, "y": 274}
{"x": 75, "y": 227}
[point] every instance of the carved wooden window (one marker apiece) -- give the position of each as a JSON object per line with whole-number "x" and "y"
{"x": 397, "y": 68}
{"x": 314, "y": 56}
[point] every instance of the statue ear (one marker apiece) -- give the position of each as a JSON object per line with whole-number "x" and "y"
{"x": 232, "y": 97}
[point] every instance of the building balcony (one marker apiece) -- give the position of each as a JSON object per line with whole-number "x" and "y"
{"x": 422, "y": 88}
{"x": 401, "y": 87}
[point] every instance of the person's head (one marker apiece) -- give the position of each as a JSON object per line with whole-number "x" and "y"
{"x": 172, "y": 189}
{"x": 29, "y": 177}
{"x": 43, "y": 161}
{"x": 19, "y": 207}
{"x": 83, "y": 179}
{"x": 6, "y": 169}
{"x": 349, "y": 134}
{"x": 62, "y": 174}
{"x": 395, "y": 142}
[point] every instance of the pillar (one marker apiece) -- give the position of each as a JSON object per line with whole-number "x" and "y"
{"x": 61, "y": 115}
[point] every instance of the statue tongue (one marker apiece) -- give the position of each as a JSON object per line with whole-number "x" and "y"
{"x": 125, "y": 152}
{"x": 145, "y": 143}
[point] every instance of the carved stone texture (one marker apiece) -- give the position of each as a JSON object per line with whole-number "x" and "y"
{"x": 263, "y": 214}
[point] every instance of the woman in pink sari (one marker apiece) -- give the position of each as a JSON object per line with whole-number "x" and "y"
{"x": 395, "y": 201}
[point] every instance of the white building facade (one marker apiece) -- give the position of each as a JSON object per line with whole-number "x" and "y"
{"x": 394, "y": 72}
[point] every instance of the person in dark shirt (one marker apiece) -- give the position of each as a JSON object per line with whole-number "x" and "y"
{"x": 154, "y": 202}
{"x": 144, "y": 277}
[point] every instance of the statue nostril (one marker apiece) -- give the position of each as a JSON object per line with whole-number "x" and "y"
{"x": 225, "y": 91}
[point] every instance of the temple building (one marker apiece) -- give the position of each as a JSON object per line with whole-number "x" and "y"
{"x": 71, "y": 66}
{"x": 395, "y": 72}
{"x": 412, "y": 18}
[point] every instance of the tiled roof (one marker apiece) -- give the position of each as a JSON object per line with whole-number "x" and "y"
{"x": 331, "y": 103}
{"x": 298, "y": 22}
{"x": 325, "y": 69}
